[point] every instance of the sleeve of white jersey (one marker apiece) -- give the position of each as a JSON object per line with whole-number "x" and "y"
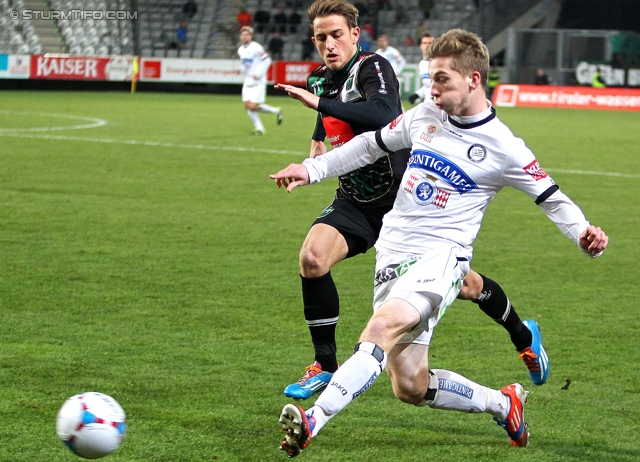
{"x": 243, "y": 67}
{"x": 397, "y": 135}
{"x": 262, "y": 62}
{"x": 360, "y": 151}
{"x": 523, "y": 172}
{"x": 567, "y": 216}
{"x": 423, "y": 69}
{"x": 400, "y": 63}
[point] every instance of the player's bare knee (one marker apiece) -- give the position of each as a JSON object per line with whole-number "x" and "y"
{"x": 407, "y": 390}
{"x": 471, "y": 287}
{"x": 376, "y": 329}
{"x": 313, "y": 264}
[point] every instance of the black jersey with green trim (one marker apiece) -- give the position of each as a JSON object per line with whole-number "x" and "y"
{"x": 363, "y": 96}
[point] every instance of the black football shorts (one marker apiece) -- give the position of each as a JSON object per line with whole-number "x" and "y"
{"x": 360, "y": 226}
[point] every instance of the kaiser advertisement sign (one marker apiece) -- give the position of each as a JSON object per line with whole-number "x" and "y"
{"x": 67, "y": 67}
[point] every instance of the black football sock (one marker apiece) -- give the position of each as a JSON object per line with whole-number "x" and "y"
{"x": 494, "y": 302}
{"x": 321, "y": 310}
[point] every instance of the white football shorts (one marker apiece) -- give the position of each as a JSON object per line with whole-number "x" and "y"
{"x": 430, "y": 283}
{"x": 256, "y": 93}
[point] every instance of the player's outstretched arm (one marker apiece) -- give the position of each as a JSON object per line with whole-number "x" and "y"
{"x": 308, "y": 99}
{"x": 593, "y": 241}
{"x": 291, "y": 177}
{"x": 317, "y": 149}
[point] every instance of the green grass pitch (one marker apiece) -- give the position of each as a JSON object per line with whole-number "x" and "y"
{"x": 148, "y": 256}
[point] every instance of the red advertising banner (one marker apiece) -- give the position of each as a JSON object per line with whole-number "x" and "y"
{"x": 292, "y": 72}
{"x": 68, "y": 67}
{"x": 151, "y": 69}
{"x": 621, "y": 99}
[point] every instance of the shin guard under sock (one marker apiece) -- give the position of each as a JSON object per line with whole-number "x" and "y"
{"x": 451, "y": 391}
{"x": 353, "y": 378}
{"x": 495, "y": 304}
{"x": 321, "y": 311}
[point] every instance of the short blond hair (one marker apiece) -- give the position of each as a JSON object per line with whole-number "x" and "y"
{"x": 467, "y": 50}
{"x": 247, "y": 29}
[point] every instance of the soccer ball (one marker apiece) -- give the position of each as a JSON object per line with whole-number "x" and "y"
{"x": 91, "y": 424}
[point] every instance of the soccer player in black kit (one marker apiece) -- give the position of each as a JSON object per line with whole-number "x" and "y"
{"x": 355, "y": 92}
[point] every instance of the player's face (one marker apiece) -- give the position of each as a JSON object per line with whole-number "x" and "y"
{"x": 245, "y": 37}
{"x": 425, "y": 43}
{"x": 383, "y": 42}
{"x": 336, "y": 43}
{"x": 452, "y": 92}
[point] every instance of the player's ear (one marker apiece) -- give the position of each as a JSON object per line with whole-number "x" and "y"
{"x": 475, "y": 80}
{"x": 355, "y": 34}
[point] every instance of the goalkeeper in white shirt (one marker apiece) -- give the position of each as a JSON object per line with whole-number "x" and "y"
{"x": 255, "y": 62}
{"x": 462, "y": 155}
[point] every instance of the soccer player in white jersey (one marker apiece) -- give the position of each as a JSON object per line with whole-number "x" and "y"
{"x": 391, "y": 54}
{"x": 255, "y": 62}
{"x": 423, "y": 70}
{"x": 462, "y": 155}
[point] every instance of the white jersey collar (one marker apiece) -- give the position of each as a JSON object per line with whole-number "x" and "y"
{"x": 474, "y": 120}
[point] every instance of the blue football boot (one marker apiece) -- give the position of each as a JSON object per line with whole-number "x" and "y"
{"x": 534, "y": 356}
{"x": 313, "y": 381}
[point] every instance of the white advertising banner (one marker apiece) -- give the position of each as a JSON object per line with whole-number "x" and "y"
{"x": 190, "y": 70}
{"x": 15, "y": 66}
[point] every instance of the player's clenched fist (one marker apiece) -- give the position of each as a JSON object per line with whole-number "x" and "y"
{"x": 593, "y": 240}
{"x": 291, "y": 177}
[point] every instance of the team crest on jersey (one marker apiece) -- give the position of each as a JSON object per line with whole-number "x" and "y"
{"x": 431, "y": 129}
{"x": 477, "y": 153}
{"x": 325, "y": 212}
{"x": 425, "y": 192}
{"x": 535, "y": 170}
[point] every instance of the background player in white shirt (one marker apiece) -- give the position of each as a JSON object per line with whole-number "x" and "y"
{"x": 255, "y": 62}
{"x": 391, "y": 54}
{"x": 462, "y": 155}
{"x": 423, "y": 92}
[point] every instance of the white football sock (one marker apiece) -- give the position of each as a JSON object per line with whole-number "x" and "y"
{"x": 451, "y": 391}
{"x": 320, "y": 418}
{"x": 351, "y": 379}
{"x": 270, "y": 109}
{"x": 255, "y": 118}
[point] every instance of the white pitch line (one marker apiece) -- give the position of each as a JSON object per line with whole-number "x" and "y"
{"x": 587, "y": 172}
{"x": 241, "y": 149}
{"x": 150, "y": 143}
{"x": 93, "y": 122}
